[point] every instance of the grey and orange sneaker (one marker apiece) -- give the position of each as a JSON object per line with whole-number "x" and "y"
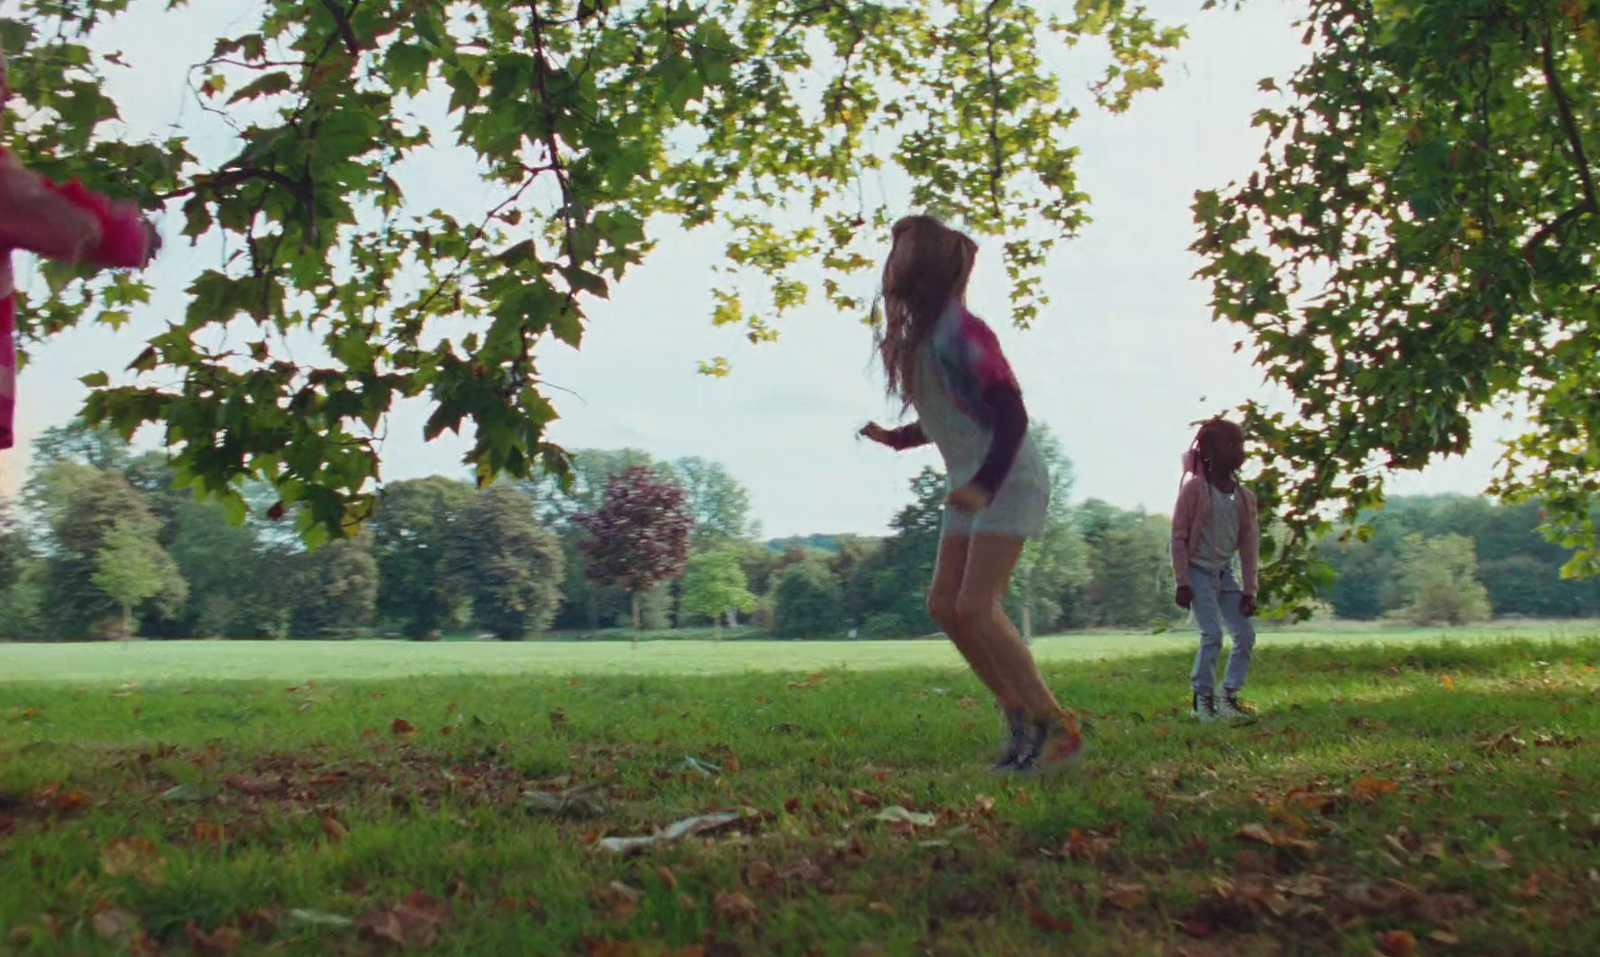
{"x": 1017, "y": 742}
{"x": 1205, "y": 707}
{"x": 1234, "y": 711}
{"x": 1055, "y": 743}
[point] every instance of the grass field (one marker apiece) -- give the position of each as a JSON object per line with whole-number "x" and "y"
{"x": 1398, "y": 798}
{"x": 296, "y": 661}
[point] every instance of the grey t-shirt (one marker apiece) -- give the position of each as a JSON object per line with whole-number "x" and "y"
{"x": 1219, "y": 537}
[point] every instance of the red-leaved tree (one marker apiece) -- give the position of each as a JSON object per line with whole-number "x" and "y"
{"x": 639, "y": 537}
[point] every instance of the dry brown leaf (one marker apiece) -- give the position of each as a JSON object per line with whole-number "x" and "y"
{"x": 1047, "y": 922}
{"x": 1128, "y": 897}
{"x": 113, "y": 923}
{"x": 401, "y": 726}
{"x": 1370, "y": 788}
{"x": 1197, "y": 929}
{"x": 735, "y": 907}
{"x": 1260, "y": 833}
{"x": 219, "y": 943}
{"x": 1397, "y": 943}
{"x": 335, "y": 831}
{"x": 1499, "y": 859}
{"x": 1444, "y": 937}
{"x": 667, "y": 875}
{"x": 132, "y": 857}
{"x": 1448, "y": 682}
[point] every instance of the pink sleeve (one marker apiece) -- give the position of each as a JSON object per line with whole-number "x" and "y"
{"x": 989, "y": 364}
{"x": 67, "y": 222}
{"x": 1182, "y": 515}
{"x": 1249, "y": 542}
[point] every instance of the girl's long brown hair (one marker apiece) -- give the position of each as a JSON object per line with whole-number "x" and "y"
{"x": 928, "y": 265}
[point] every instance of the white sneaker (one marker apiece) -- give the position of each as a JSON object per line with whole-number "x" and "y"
{"x": 1205, "y": 707}
{"x": 1232, "y": 710}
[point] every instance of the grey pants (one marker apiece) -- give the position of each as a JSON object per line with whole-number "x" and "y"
{"x": 1216, "y": 602}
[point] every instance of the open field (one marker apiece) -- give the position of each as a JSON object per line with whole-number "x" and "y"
{"x": 1423, "y": 799}
{"x": 296, "y": 661}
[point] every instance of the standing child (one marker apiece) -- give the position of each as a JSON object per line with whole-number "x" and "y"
{"x": 62, "y": 222}
{"x": 1213, "y": 523}
{"x": 943, "y": 361}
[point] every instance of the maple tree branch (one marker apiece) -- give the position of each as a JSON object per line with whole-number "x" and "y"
{"x": 997, "y": 169}
{"x": 1569, "y": 127}
{"x": 341, "y": 19}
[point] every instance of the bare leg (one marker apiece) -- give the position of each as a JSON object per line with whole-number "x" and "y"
{"x": 943, "y": 605}
{"x": 990, "y": 560}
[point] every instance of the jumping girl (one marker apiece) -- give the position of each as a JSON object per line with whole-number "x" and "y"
{"x": 942, "y": 361}
{"x": 62, "y": 222}
{"x": 1214, "y": 523}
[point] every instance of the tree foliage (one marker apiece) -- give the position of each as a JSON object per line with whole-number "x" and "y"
{"x": 333, "y": 591}
{"x": 639, "y": 536}
{"x": 591, "y": 123}
{"x": 507, "y": 563}
{"x": 132, "y": 568}
{"x": 713, "y": 585}
{"x": 807, "y": 601}
{"x": 1419, "y": 244}
{"x": 1440, "y": 580}
{"x": 417, "y": 524}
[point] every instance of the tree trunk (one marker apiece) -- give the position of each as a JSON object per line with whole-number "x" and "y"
{"x": 1027, "y": 608}
{"x": 127, "y": 620}
{"x": 633, "y": 598}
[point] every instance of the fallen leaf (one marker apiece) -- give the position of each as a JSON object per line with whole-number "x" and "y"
{"x": 132, "y": 857}
{"x": 189, "y": 793}
{"x": 213, "y": 833}
{"x": 1048, "y": 922}
{"x": 1262, "y": 834}
{"x": 218, "y": 943}
{"x": 113, "y": 923}
{"x": 402, "y": 726}
{"x": 1128, "y": 897}
{"x": 666, "y": 874}
{"x": 1197, "y": 929}
{"x": 1397, "y": 943}
{"x": 317, "y": 918}
{"x": 895, "y": 814}
{"x": 1370, "y": 788}
{"x": 735, "y": 907}
{"x": 1448, "y": 682}
{"x": 335, "y": 831}
{"x": 1499, "y": 859}
{"x": 1444, "y": 937}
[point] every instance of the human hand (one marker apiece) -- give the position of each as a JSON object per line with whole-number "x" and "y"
{"x": 1247, "y": 606}
{"x": 1185, "y": 597}
{"x": 968, "y": 498}
{"x": 875, "y": 432}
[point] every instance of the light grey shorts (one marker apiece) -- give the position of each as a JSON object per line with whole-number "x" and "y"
{"x": 1019, "y": 509}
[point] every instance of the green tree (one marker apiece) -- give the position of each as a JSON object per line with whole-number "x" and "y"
{"x": 1417, "y": 245}
{"x": 133, "y": 568}
{"x": 719, "y": 503}
{"x": 414, "y": 530}
{"x": 714, "y": 585}
{"x": 507, "y": 563}
{"x": 592, "y": 123}
{"x": 235, "y": 579}
{"x": 79, "y": 527}
{"x": 807, "y": 602}
{"x": 1056, "y": 563}
{"x": 333, "y": 590}
{"x": 1441, "y": 581}
{"x": 1131, "y": 580}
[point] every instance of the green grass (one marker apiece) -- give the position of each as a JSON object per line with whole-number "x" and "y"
{"x": 1442, "y": 788}
{"x": 296, "y": 661}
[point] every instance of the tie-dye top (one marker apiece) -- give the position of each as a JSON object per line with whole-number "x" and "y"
{"x": 968, "y": 402}
{"x": 61, "y": 221}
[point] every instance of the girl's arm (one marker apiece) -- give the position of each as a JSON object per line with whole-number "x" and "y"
{"x": 905, "y": 437}
{"x": 1008, "y": 418}
{"x": 1182, "y": 518}
{"x": 1249, "y": 542}
{"x": 68, "y": 221}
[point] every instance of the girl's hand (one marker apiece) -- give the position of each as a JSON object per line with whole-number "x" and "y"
{"x": 875, "y": 432}
{"x": 1185, "y": 597}
{"x": 968, "y": 498}
{"x": 1247, "y": 606}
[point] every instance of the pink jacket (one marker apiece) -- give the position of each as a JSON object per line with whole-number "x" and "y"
{"x": 62, "y": 222}
{"x": 1190, "y": 515}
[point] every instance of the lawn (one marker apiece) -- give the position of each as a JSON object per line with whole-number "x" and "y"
{"x": 296, "y": 661}
{"x": 1424, "y": 798}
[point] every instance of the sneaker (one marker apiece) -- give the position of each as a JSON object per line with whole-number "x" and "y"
{"x": 1016, "y": 743}
{"x": 1232, "y": 709}
{"x": 1056, "y": 743}
{"x": 1205, "y": 707}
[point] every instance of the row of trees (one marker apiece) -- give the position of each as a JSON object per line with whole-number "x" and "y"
{"x": 104, "y": 543}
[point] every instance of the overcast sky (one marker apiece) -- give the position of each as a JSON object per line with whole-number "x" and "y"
{"x": 1120, "y": 362}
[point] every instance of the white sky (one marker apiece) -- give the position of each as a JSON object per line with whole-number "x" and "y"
{"x": 1124, "y": 357}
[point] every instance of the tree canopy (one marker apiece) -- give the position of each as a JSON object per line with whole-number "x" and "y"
{"x": 593, "y": 122}
{"x": 1418, "y": 245}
